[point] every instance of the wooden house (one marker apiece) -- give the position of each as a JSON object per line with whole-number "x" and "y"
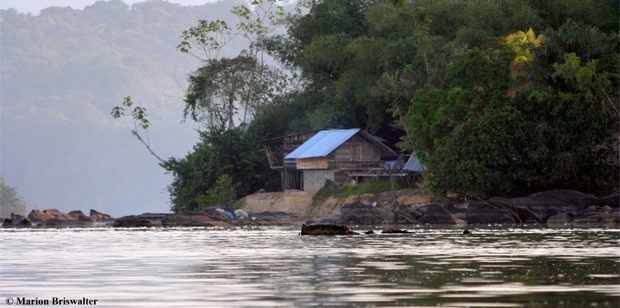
{"x": 307, "y": 160}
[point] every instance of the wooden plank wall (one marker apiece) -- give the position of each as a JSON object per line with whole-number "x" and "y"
{"x": 313, "y": 163}
{"x": 356, "y": 149}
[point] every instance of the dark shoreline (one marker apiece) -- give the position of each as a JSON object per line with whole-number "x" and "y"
{"x": 551, "y": 209}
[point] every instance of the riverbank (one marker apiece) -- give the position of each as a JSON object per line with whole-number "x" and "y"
{"x": 557, "y": 208}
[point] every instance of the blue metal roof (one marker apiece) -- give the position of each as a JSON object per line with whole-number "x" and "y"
{"x": 414, "y": 164}
{"x": 323, "y": 143}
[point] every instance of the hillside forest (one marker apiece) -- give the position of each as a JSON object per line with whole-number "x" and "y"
{"x": 497, "y": 98}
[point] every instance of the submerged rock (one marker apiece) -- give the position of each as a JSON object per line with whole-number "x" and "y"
{"x": 326, "y": 230}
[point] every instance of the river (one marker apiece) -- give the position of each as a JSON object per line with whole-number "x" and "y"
{"x": 277, "y": 267}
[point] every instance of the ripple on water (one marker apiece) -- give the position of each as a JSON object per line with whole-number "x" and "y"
{"x": 196, "y": 267}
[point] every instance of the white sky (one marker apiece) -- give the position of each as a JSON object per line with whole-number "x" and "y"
{"x": 35, "y": 6}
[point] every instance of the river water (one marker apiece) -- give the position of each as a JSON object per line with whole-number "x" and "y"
{"x": 278, "y": 267}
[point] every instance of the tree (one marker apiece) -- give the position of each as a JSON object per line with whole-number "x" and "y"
{"x": 221, "y": 87}
{"x": 140, "y": 121}
{"x": 501, "y": 129}
{"x": 223, "y": 193}
{"x": 467, "y": 135}
{"x": 10, "y": 202}
{"x": 233, "y": 153}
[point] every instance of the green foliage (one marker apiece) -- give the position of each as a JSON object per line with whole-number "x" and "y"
{"x": 490, "y": 107}
{"x": 219, "y": 155}
{"x": 140, "y": 120}
{"x": 207, "y": 36}
{"x": 10, "y": 202}
{"x": 223, "y": 193}
{"x": 224, "y": 88}
{"x": 490, "y": 132}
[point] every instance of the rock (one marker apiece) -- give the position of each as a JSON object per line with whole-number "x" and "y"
{"x": 16, "y": 221}
{"x": 612, "y": 201}
{"x": 597, "y": 218}
{"x": 37, "y": 216}
{"x": 225, "y": 213}
{"x": 177, "y": 220}
{"x": 437, "y": 214}
{"x": 272, "y": 214}
{"x": 265, "y": 219}
{"x": 363, "y": 214}
{"x": 53, "y": 218}
{"x": 79, "y": 216}
{"x": 393, "y": 231}
{"x": 563, "y": 197}
{"x": 539, "y": 207}
{"x": 219, "y": 213}
{"x": 98, "y": 216}
{"x": 53, "y": 223}
{"x": 466, "y": 231}
{"x": 45, "y": 215}
{"x": 241, "y": 214}
{"x": 559, "y": 220}
{"x": 326, "y": 230}
{"x": 591, "y": 208}
{"x": 607, "y": 209}
{"x": 324, "y": 221}
{"x": 132, "y": 221}
{"x": 369, "y": 232}
{"x": 484, "y": 212}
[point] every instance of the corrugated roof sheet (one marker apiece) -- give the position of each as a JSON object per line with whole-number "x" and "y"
{"x": 323, "y": 143}
{"x": 414, "y": 164}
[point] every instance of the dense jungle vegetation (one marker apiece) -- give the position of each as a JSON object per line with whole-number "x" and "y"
{"x": 503, "y": 97}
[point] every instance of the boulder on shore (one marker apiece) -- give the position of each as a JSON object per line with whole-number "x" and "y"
{"x": 98, "y": 216}
{"x": 177, "y": 220}
{"x": 485, "y": 212}
{"x": 360, "y": 213}
{"x": 79, "y": 216}
{"x": 438, "y": 214}
{"x": 132, "y": 221}
{"x": 241, "y": 214}
{"x": 16, "y": 221}
{"x": 325, "y": 230}
{"x": 37, "y": 216}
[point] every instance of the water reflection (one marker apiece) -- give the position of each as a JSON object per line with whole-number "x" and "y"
{"x": 277, "y": 267}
